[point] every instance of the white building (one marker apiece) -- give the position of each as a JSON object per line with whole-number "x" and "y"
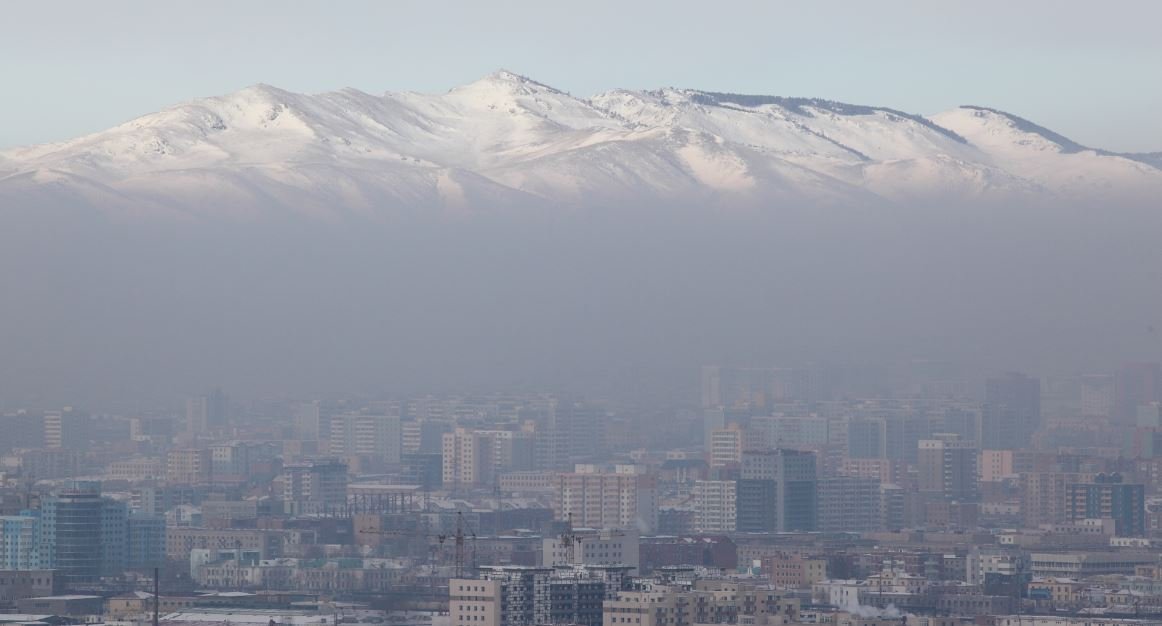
{"x": 726, "y": 446}
{"x": 593, "y": 547}
{"x": 597, "y": 499}
{"x": 715, "y": 506}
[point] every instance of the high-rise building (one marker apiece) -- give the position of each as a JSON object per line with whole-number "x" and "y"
{"x": 567, "y": 432}
{"x": 1045, "y": 496}
{"x": 867, "y": 438}
{"x": 317, "y": 486}
{"x": 725, "y": 446}
{"x": 306, "y": 417}
{"x": 758, "y": 386}
{"x": 776, "y": 491}
{"x": 511, "y": 450}
{"x": 715, "y": 506}
{"x": 1107, "y": 496}
{"x": 51, "y": 463}
{"x": 114, "y": 536}
{"x": 1136, "y": 384}
{"x": 379, "y": 437}
{"x": 1097, "y": 395}
{"x": 850, "y": 504}
{"x": 206, "y": 413}
{"x": 20, "y": 542}
{"x": 53, "y": 429}
{"x": 83, "y": 535}
{"x": 947, "y": 466}
{"x": 964, "y": 422}
{"x": 592, "y": 498}
{"x": 423, "y": 469}
{"x": 904, "y": 432}
{"x": 995, "y": 465}
{"x": 146, "y": 542}
{"x": 1012, "y": 412}
{"x": 711, "y": 386}
{"x": 468, "y": 458}
{"x": 787, "y": 432}
{"x": 197, "y": 415}
{"x": 188, "y": 467}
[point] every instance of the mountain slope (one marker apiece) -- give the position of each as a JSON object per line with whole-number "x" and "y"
{"x": 506, "y": 140}
{"x": 1044, "y": 157}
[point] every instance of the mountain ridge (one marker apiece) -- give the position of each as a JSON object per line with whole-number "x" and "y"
{"x": 506, "y": 138}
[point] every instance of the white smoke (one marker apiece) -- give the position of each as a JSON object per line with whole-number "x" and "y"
{"x": 851, "y": 605}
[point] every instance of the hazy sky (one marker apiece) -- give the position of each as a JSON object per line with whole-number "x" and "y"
{"x": 1092, "y": 71}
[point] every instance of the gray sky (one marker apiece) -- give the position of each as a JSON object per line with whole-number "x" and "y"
{"x": 1092, "y": 71}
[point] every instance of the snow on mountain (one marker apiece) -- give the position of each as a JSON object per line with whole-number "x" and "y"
{"x": 940, "y": 176}
{"x": 507, "y": 140}
{"x": 789, "y": 126}
{"x": 1046, "y": 158}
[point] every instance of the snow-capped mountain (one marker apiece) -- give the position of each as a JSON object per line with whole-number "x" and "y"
{"x": 508, "y": 140}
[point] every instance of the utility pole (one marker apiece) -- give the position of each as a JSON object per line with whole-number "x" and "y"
{"x": 156, "y": 596}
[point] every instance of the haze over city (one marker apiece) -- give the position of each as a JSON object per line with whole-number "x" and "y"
{"x": 594, "y": 314}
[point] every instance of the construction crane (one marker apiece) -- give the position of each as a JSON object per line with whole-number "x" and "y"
{"x": 433, "y": 547}
{"x": 459, "y": 538}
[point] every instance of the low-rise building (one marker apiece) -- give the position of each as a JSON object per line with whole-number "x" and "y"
{"x": 20, "y": 584}
{"x": 794, "y": 571}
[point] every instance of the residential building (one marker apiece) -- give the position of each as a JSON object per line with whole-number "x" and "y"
{"x": 529, "y": 596}
{"x": 317, "y": 486}
{"x": 794, "y": 571}
{"x": 468, "y": 458}
{"x": 53, "y": 429}
{"x": 601, "y": 499}
{"x": 947, "y": 466}
{"x": 1045, "y": 496}
{"x": 188, "y": 467}
{"x": 725, "y": 447}
{"x": 1109, "y": 497}
{"x": 20, "y": 547}
{"x": 715, "y": 506}
{"x": 995, "y": 465}
{"x": 700, "y": 602}
{"x": 377, "y": 437}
